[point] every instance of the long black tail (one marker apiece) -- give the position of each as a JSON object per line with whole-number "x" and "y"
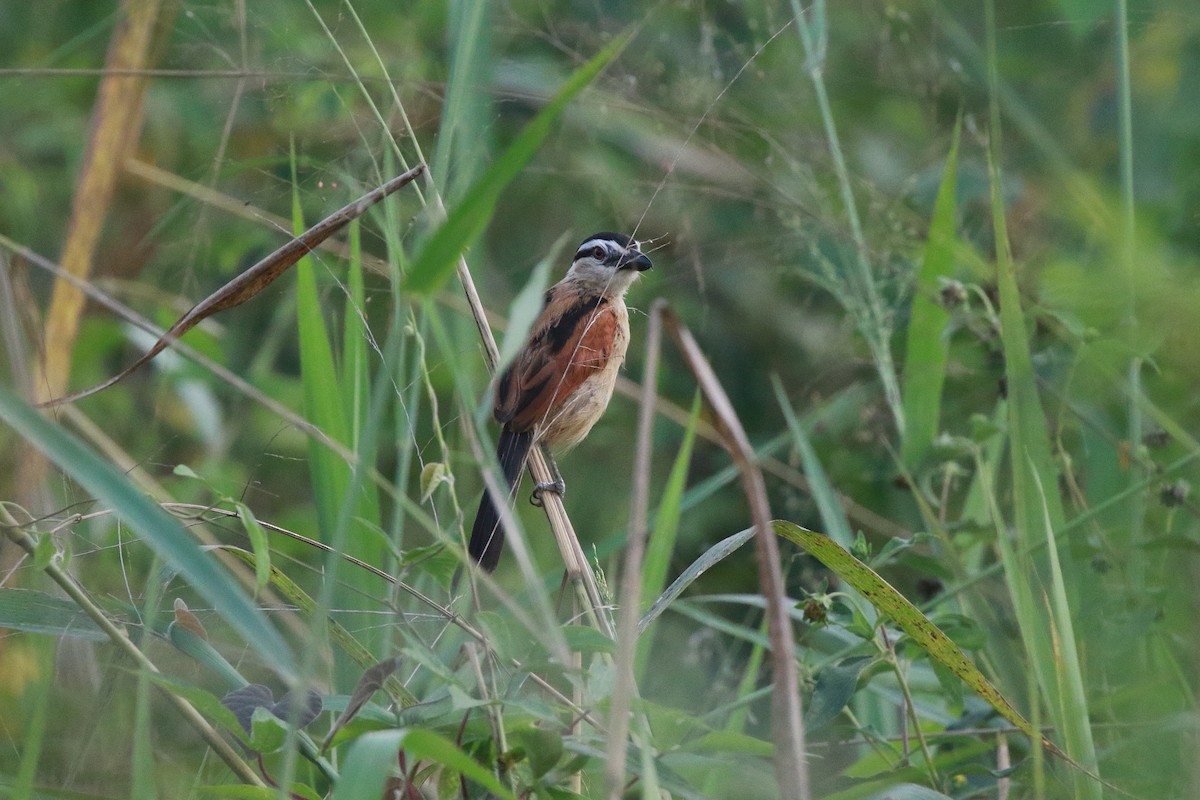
{"x": 487, "y": 535}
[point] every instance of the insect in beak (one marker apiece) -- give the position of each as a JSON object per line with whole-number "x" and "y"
{"x": 640, "y": 262}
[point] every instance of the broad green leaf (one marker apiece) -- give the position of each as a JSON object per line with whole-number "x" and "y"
{"x": 373, "y": 756}
{"x": 468, "y": 219}
{"x": 926, "y": 346}
{"x": 44, "y": 552}
{"x": 834, "y": 687}
{"x": 184, "y": 471}
{"x": 543, "y": 747}
{"x": 204, "y": 701}
{"x": 585, "y": 639}
{"x": 162, "y": 532}
{"x": 267, "y": 731}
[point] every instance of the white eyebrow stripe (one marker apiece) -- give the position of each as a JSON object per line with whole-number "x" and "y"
{"x": 590, "y": 243}
{"x": 608, "y": 245}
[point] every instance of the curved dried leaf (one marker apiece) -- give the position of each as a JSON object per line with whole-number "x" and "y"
{"x": 186, "y": 619}
{"x": 371, "y": 681}
{"x": 249, "y": 283}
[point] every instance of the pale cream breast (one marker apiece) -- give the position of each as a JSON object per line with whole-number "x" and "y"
{"x": 579, "y": 412}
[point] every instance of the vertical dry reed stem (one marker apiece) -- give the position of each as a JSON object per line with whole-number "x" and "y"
{"x": 787, "y": 721}
{"x": 116, "y": 118}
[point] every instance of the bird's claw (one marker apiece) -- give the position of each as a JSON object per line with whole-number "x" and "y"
{"x": 558, "y": 487}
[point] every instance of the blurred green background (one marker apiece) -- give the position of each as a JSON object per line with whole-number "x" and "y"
{"x": 706, "y": 139}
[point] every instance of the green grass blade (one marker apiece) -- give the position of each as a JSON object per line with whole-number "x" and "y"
{"x": 467, "y": 221}
{"x": 34, "y": 735}
{"x": 926, "y": 346}
{"x": 141, "y": 755}
{"x": 355, "y": 382}
{"x": 462, "y": 139}
{"x": 356, "y": 393}
{"x": 1072, "y": 698}
{"x": 258, "y": 542}
{"x": 1027, "y": 421}
{"x": 200, "y": 649}
{"x": 932, "y": 639}
{"x": 1038, "y": 514}
{"x": 322, "y": 399}
{"x": 661, "y": 546}
{"x": 525, "y": 307}
{"x": 158, "y": 529}
{"x": 828, "y": 503}
{"x": 711, "y": 557}
{"x": 38, "y": 612}
{"x": 833, "y": 516}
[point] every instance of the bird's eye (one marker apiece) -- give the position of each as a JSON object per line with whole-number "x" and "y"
{"x": 598, "y": 253}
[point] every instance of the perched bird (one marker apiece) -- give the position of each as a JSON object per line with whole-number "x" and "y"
{"x": 560, "y": 383}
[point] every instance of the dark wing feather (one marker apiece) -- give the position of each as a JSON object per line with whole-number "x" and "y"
{"x": 572, "y": 339}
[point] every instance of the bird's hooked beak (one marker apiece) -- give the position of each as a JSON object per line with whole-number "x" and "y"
{"x": 638, "y": 261}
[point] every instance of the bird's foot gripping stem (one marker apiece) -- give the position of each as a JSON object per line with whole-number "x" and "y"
{"x": 556, "y": 486}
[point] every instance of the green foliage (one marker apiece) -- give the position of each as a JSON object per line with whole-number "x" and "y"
{"x": 159, "y": 530}
{"x": 465, "y": 223}
{"x": 39, "y": 612}
{"x": 942, "y": 257}
{"x": 926, "y": 348}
